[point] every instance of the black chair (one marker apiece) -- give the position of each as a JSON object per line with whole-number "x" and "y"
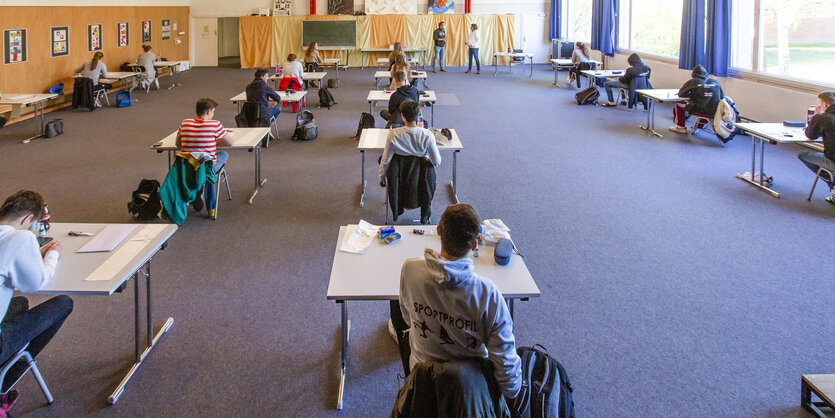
{"x": 255, "y": 115}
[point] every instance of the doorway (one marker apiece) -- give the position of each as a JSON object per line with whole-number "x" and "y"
{"x": 228, "y": 51}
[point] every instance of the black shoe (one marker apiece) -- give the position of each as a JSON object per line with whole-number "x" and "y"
{"x": 198, "y": 203}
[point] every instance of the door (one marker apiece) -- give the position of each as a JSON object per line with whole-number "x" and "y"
{"x": 535, "y": 36}
{"x": 204, "y": 41}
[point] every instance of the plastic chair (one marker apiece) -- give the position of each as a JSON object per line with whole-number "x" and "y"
{"x": 820, "y": 175}
{"x": 24, "y": 355}
{"x": 221, "y": 174}
{"x": 700, "y": 121}
{"x": 101, "y": 92}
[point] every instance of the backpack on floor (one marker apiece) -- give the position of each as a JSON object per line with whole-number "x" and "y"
{"x": 306, "y": 129}
{"x": 587, "y": 96}
{"x": 325, "y": 98}
{"x": 145, "y": 203}
{"x": 333, "y": 83}
{"x": 546, "y": 390}
{"x": 366, "y": 121}
{"x": 54, "y": 128}
{"x": 123, "y": 99}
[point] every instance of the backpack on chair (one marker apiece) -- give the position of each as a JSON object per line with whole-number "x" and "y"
{"x": 546, "y": 390}
{"x": 145, "y": 203}
{"x": 325, "y": 98}
{"x": 306, "y": 129}
{"x": 366, "y": 121}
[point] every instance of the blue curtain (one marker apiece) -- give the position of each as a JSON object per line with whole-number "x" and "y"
{"x": 718, "y": 47}
{"x": 604, "y": 26}
{"x": 692, "y": 46}
{"x": 556, "y": 20}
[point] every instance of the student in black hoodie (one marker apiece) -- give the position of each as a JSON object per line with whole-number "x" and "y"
{"x": 822, "y": 125}
{"x": 636, "y": 69}
{"x": 403, "y": 91}
{"x": 704, "y": 93}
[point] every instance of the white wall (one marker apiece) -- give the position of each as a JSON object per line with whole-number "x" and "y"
{"x": 758, "y": 101}
{"x": 94, "y": 2}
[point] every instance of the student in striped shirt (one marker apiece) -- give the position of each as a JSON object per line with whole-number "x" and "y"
{"x": 204, "y": 134}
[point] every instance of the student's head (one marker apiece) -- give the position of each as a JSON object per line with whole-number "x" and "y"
{"x": 582, "y": 48}
{"x": 409, "y": 110}
{"x": 399, "y": 77}
{"x": 146, "y": 48}
{"x": 22, "y": 209}
{"x": 205, "y": 108}
{"x": 474, "y": 26}
{"x": 96, "y": 58}
{"x": 827, "y": 99}
{"x": 441, "y": 25}
{"x": 312, "y": 47}
{"x": 400, "y": 60}
{"x": 699, "y": 72}
{"x": 261, "y": 73}
{"x": 397, "y": 48}
{"x": 459, "y": 229}
{"x": 291, "y": 57}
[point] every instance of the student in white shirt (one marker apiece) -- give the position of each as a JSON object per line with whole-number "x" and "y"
{"x": 25, "y": 267}
{"x": 472, "y": 44}
{"x": 293, "y": 69}
{"x": 409, "y": 140}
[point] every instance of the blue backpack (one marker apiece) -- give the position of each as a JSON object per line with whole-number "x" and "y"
{"x": 123, "y": 99}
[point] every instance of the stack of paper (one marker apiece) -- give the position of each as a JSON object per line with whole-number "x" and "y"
{"x": 358, "y": 237}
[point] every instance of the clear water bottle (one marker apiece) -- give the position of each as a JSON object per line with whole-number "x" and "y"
{"x": 420, "y": 118}
{"x": 43, "y": 223}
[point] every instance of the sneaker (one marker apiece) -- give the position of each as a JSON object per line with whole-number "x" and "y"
{"x": 678, "y": 129}
{"x": 8, "y": 400}
{"x": 478, "y": 72}
{"x": 443, "y": 70}
{"x": 831, "y": 199}
{"x": 393, "y": 333}
{"x": 467, "y": 72}
{"x": 433, "y": 70}
{"x": 609, "y": 104}
{"x": 198, "y": 203}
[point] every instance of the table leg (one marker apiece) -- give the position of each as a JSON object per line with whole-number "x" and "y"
{"x": 495, "y": 66}
{"x": 362, "y": 60}
{"x": 454, "y": 183}
{"x": 651, "y": 118}
{"x": 371, "y": 107}
{"x": 751, "y": 178}
{"x": 38, "y": 119}
{"x": 258, "y": 180}
{"x": 510, "y": 307}
{"x": 363, "y": 184}
{"x": 432, "y": 108}
{"x": 556, "y": 80}
{"x": 346, "y": 335}
{"x": 531, "y": 76}
{"x": 140, "y": 355}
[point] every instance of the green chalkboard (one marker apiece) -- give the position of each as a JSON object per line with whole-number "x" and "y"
{"x": 329, "y": 33}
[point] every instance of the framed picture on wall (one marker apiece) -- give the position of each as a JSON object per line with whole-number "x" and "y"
{"x": 166, "y": 29}
{"x": 146, "y": 31}
{"x": 122, "y": 34}
{"x": 14, "y": 46}
{"x": 60, "y": 40}
{"x": 174, "y": 26}
{"x": 94, "y": 37}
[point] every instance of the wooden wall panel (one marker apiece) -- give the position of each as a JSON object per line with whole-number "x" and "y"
{"x": 41, "y": 71}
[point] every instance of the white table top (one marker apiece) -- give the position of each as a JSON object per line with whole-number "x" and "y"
{"x": 114, "y": 75}
{"x": 603, "y": 73}
{"x": 246, "y": 138}
{"x": 331, "y": 61}
{"x": 375, "y": 139}
{"x": 119, "y": 264}
{"x": 384, "y": 95}
{"x": 375, "y": 275}
{"x": 295, "y": 97}
{"x": 313, "y": 76}
{"x": 774, "y": 132}
{"x": 387, "y": 74}
{"x": 168, "y": 63}
{"x": 567, "y": 61}
{"x": 410, "y": 60}
{"x": 24, "y": 99}
{"x": 392, "y": 49}
{"x": 662, "y": 95}
{"x": 334, "y": 48}
{"x": 513, "y": 54}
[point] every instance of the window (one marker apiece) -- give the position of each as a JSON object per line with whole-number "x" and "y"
{"x": 651, "y": 26}
{"x": 578, "y": 25}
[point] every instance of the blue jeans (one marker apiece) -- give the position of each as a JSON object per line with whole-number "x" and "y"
{"x": 272, "y": 112}
{"x": 613, "y": 84}
{"x": 209, "y": 190}
{"x": 815, "y": 160}
{"x": 439, "y": 56}
{"x": 473, "y": 52}
{"x": 35, "y": 326}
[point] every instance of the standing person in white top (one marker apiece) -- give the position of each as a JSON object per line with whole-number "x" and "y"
{"x": 94, "y": 70}
{"x": 25, "y": 267}
{"x": 409, "y": 140}
{"x": 472, "y": 44}
{"x": 293, "y": 69}
{"x": 146, "y": 61}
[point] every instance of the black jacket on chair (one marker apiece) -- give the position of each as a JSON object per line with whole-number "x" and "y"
{"x": 82, "y": 93}
{"x": 253, "y": 115}
{"x": 410, "y": 181}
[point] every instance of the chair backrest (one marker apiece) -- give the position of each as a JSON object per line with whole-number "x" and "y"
{"x": 640, "y": 82}
{"x": 254, "y": 115}
{"x": 289, "y": 83}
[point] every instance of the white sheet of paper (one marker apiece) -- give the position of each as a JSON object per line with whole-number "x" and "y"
{"x": 116, "y": 262}
{"x": 108, "y": 238}
{"x": 358, "y": 237}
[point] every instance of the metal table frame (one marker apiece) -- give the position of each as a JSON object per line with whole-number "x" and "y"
{"x": 371, "y": 104}
{"x": 453, "y": 184}
{"x": 509, "y": 67}
{"x": 40, "y": 129}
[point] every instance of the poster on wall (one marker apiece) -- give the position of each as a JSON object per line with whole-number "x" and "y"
{"x": 166, "y": 29}
{"x": 146, "y": 31}
{"x": 442, "y": 6}
{"x": 14, "y": 46}
{"x": 94, "y": 37}
{"x": 340, "y": 7}
{"x": 391, "y": 7}
{"x": 122, "y": 34}
{"x": 60, "y": 38}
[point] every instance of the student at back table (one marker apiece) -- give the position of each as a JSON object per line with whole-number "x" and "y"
{"x": 146, "y": 61}
{"x": 637, "y": 69}
{"x": 258, "y": 91}
{"x": 402, "y": 92}
{"x": 95, "y": 70}
{"x": 822, "y": 125}
{"x": 704, "y": 93}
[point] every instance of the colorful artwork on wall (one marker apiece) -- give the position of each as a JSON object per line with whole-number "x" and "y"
{"x": 146, "y": 31}
{"x": 60, "y": 39}
{"x": 14, "y": 46}
{"x": 94, "y": 37}
{"x": 340, "y": 7}
{"x": 442, "y": 6}
{"x": 122, "y": 34}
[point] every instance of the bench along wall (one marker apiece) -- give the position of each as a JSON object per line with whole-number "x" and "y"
{"x": 41, "y": 71}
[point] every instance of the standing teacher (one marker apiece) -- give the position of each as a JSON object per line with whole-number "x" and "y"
{"x": 439, "y": 36}
{"x": 472, "y": 44}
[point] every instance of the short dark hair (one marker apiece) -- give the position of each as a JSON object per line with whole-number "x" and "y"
{"x": 260, "y": 72}
{"x": 474, "y": 26}
{"x": 291, "y": 57}
{"x": 828, "y": 97}
{"x": 204, "y": 106}
{"x": 440, "y": 23}
{"x": 460, "y": 227}
{"x": 409, "y": 110}
{"x": 22, "y": 203}
{"x": 400, "y": 76}
{"x": 146, "y": 48}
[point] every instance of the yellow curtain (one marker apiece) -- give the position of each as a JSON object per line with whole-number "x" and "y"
{"x": 363, "y": 32}
{"x": 255, "y": 39}
{"x": 503, "y": 34}
{"x": 417, "y": 33}
{"x": 485, "y": 32}
{"x": 287, "y": 38}
{"x": 455, "y": 50}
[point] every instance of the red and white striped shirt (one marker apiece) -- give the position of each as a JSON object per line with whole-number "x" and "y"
{"x": 199, "y": 135}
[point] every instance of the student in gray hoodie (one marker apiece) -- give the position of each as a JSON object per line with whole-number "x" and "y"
{"x": 452, "y": 312}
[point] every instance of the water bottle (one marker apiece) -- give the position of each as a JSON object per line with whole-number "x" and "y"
{"x": 809, "y": 114}
{"x": 420, "y": 118}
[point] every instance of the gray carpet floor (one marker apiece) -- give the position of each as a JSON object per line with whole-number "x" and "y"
{"x": 668, "y": 286}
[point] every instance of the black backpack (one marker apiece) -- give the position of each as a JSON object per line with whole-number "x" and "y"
{"x": 126, "y": 67}
{"x": 366, "y": 121}
{"x": 306, "y": 129}
{"x": 546, "y": 390}
{"x": 145, "y": 203}
{"x": 587, "y": 96}
{"x": 53, "y": 128}
{"x": 325, "y": 98}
